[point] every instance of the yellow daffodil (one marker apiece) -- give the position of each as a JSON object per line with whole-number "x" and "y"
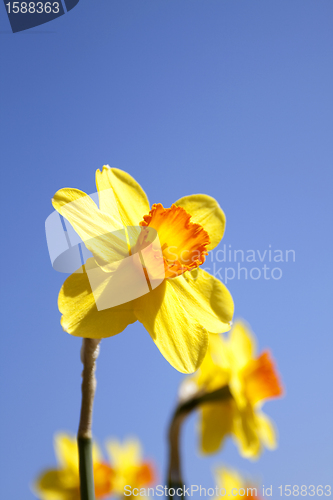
{"x": 230, "y": 483}
{"x": 252, "y": 379}
{"x": 185, "y": 307}
{"x": 130, "y": 470}
{"x": 63, "y": 483}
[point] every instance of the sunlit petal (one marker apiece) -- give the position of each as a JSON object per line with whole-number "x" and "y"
{"x": 216, "y": 423}
{"x": 77, "y": 303}
{"x": 182, "y": 340}
{"x": 131, "y": 200}
{"x": 207, "y": 212}
{"x": 206, "y": 299}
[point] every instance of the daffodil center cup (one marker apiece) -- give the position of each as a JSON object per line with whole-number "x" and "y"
{"x": 183, "y": 243}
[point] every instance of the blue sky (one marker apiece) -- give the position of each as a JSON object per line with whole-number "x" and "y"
{"x": 228, "y": 98}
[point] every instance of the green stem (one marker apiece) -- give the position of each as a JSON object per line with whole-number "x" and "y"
{"x": 182, "y": 411}
{"x": 89, "y": 354}
{"x": 86, "y": 469}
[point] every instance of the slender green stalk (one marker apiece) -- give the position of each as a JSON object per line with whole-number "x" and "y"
{"x": 175, "y": 480}
{"x": 86, "y": 469}
{"x": 89, "y": 354}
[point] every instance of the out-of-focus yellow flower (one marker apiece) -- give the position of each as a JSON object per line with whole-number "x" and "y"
{"x": 230, "y": 483}
{"x": 178, "y": 313}
{"x": 63, "y": 483}
{"x": 129, "y": 467}
{"x": 252, "y": 379}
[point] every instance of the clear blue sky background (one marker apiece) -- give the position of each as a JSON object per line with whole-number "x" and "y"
{"x": 232, "y": 98}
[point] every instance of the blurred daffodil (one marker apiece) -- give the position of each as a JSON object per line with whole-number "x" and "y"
{"x": 130, "y": 470}
{"x": 230, "y": 483}
{"x": 63, "y": 483}
{"x": 187, "y": 305}
{"x": 251, "y": 379}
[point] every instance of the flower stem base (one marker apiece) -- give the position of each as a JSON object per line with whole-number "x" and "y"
{"x": 86, "y": 468}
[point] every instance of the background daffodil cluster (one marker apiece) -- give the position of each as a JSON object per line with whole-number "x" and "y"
{"x": 252, "y": 379}
{"x": 124, "y": 466}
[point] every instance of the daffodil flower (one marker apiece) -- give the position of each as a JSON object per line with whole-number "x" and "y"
{"x": 131, "y": 472}
{"x": 230, "y": 483}
{"x": 187, "y": 305}
{"x": 63, "y": 483}
{"x": 251, "y": 379}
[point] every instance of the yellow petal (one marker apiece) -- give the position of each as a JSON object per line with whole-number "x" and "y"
{"x": 216, "y": 424}
{"x": 66, "y": 451}
{"x": 57, "y": 485}
{"x": 126, "y": 461}
{"x": 207, "y": 212}
{"x": 213, "y": 373}
{"x": 103, "y": 235}
{"x": 77, "y": 304}
{"x": 267, "y": 431}
{"x": 175, "y": 331}
{"x": 206, "y": 299}
{"x": 131, "y": 200}
{"x": 246, "y": 434}
{"x": 124, "y": 455}
{"x": 217, "y": 351}
{"x": 241, "y": 345}
{"x": 228, "y": 479}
